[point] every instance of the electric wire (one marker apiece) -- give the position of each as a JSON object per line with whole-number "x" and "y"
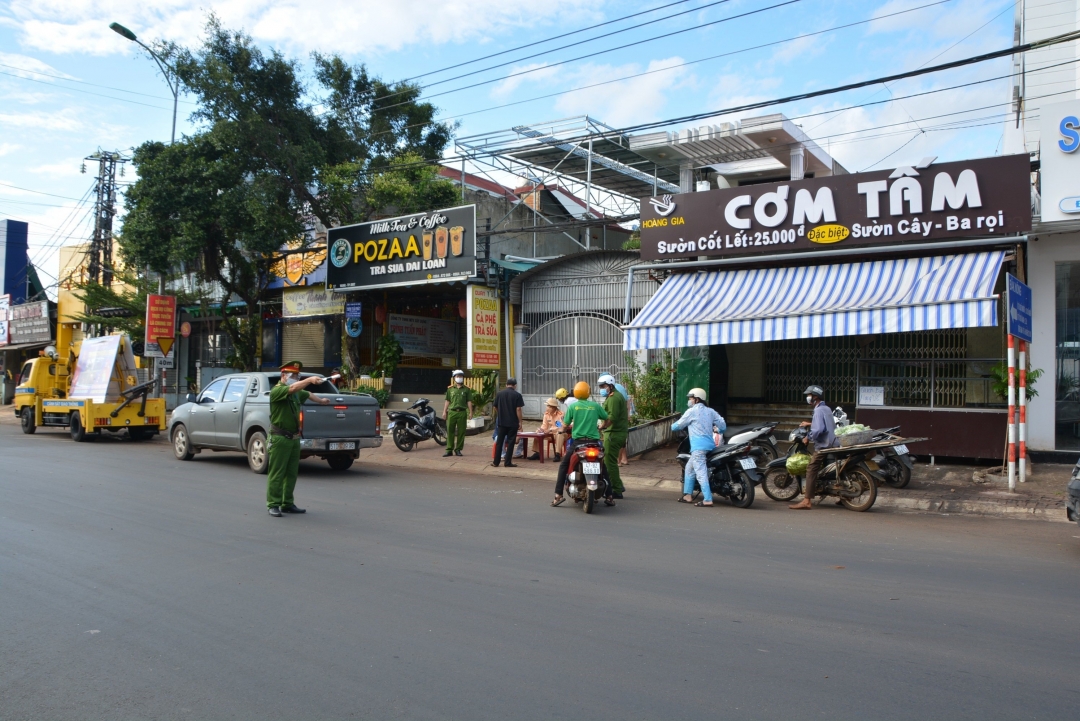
{"x": 547, "y": 40}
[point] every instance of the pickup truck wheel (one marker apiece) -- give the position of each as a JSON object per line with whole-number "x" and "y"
{"x": 78, "y": 432}
{"x": 340, "y": 463}
{"x": 26, "y": 420}
{"x": 181, "y": 443}
{"x": 257, "y": 453}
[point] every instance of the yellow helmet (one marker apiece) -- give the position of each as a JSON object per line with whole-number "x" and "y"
{"x": 561, "y": 394}
{"x": 582, "y": 390}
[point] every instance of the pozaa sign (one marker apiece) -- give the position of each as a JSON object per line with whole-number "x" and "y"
{"x": 973, "y": 198}
{"x": 435, "y": 247}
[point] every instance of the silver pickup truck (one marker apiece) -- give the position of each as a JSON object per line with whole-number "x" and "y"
{"x": 233, "y": 414}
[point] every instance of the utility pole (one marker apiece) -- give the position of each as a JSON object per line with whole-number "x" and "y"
{"x": 101, "y": 246}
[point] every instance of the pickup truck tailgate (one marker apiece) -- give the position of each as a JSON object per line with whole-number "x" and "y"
{"x": 347, "y": 416}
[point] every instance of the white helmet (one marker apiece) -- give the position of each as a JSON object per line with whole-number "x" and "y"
{"x": 697, "y": 393}
{"x": 606, "y": 379}
{"x": 458, "y": 372}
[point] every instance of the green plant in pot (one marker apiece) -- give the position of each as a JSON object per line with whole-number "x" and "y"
{"x": 388, "y": 354}
{"x": 1001, "y": 381}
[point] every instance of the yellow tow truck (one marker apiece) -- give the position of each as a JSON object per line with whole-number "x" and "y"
{"x": 87, "y": 386}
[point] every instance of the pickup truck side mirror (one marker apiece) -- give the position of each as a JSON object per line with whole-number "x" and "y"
{"x": 191, "y": 398}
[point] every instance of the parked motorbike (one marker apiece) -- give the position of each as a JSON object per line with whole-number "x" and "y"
{"x": 408, "y": 429}
{"x": 733, "y": 470}
{"x": 844, "y": 476}
{"x": 586, "y": 477}
{"x": 760, "y": 435}
{"x": 1072, "y": 501}
{"x": 893, "y": 465}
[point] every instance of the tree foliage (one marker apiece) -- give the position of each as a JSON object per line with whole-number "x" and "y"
{"x": 121, "y": 306}
{"x": 274, "y": 152}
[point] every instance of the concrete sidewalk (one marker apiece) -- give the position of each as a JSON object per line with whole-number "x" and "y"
{"x": 942, "y": 489}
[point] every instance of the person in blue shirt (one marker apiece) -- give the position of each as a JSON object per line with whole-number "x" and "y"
{"x": 823, "y": 435}
{"x": 700, "y": 420}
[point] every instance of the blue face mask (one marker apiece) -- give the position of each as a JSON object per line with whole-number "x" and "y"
{"x": 603, "y": 392}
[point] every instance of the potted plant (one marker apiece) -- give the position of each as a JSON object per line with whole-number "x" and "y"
{"x": 388, "y": 354}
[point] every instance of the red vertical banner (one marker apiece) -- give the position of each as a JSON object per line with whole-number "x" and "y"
{"x": 1022, "y": 398}
{"x": 160, "y": 325}
{"x": 1012, "y": 413}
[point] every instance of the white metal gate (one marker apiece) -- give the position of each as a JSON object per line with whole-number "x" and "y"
{"x": 569, "y": 349}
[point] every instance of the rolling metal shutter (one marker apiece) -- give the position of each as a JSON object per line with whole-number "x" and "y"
{"x": 304, "y": 342}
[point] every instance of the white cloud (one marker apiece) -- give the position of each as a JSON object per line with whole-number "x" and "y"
{"x": 66, "y": 120}
{"x": 540, "y": 71}
{"x": 342, "y": 26}
{"x": 25, "y": 66}
{"x": 6, "y": 148}
{"x": 939, "y": 20}
{"x": 635, "y": 100}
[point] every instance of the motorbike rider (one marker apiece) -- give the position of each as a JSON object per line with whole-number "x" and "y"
{"x": 823, "y": 435}
{"x": 700, "y": 420}
{"x": 583, "y": 421}
{"x": 616, "y": 429}
{"x": 457, "y": 410}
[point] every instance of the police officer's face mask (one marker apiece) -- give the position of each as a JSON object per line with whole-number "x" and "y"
{"x": 459, "y": 379}
{"x": 603, "y": 392}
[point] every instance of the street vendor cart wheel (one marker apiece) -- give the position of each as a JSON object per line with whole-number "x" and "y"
{"x": 181, "y": 443}
{"x": 75, "y": 425}
{"x": 26, "y": 420}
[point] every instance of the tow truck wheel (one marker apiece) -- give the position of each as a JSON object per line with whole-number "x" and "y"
{"x": 78, "y": 432}
{"x": 181, "y": 443}
{"x": 26, "y": 420}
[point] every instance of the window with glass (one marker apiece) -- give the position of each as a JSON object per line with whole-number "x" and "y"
{"x": 1067, "y": 357}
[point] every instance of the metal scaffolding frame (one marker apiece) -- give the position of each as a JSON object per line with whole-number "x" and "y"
{"x": 591, "y": 160}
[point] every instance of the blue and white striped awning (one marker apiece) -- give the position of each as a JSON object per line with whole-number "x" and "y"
{"x": 762, "y": 304}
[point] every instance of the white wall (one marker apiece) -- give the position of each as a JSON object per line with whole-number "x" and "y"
{"x": 1042, "y": 255}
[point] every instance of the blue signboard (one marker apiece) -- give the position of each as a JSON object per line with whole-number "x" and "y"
{"x": 1018, "y": 308}
{"x": 353, "y": 325}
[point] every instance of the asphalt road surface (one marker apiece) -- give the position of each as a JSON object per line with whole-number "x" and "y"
{"x": 136, "y": 586}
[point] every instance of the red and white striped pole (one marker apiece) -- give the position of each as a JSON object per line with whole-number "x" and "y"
{"x": 1022, "y": 393}
{"x": 1012, "y": 414}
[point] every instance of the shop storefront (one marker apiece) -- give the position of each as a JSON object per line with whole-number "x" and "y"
{"x": 882, "y": 287}
{"x": 25, "y": 329}
{"x": 1054, "y": 277}
{"x": 416, "y": 277}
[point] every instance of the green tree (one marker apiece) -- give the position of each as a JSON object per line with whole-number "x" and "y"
{"x": 273, "y": 155}
{"x": 122, "y": 306}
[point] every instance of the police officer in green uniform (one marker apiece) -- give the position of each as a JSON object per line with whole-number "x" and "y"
{"x": 284, "y": 446}
{"x": 457, "y": 409}
{"x": 616, "y": 429}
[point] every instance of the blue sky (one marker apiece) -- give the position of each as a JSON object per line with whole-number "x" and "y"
{"x": 108, "y": 95}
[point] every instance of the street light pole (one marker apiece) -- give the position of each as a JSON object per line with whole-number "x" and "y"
{"x": 174, "y": 86}
{"x": 170, "y": 76}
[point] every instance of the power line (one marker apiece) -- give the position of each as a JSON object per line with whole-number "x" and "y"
{"x": 80, "y": 90}
{"x": 39, "y": 192}
{"x": 594, "y": 54}
{"x": 84, "y": 82}
{"x": 547, "y": 40}
{"x": 693, "y": 62}
{"x": 587, "y": 40}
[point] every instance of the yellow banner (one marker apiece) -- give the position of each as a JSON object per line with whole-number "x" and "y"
{"x": 311, "y": 300}
{"x": 483, "y": 309}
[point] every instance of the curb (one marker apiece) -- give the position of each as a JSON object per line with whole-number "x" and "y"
{"x": 991, "y": 509}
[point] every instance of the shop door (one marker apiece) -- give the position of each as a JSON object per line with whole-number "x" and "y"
{"x": 566, "y": 350}
{"x": 304, "y": 342}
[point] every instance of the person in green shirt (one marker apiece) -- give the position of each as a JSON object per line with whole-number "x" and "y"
{"x": 583, "y": 419}
{"x": 616, "y": 429}
{"x": 284, "y": 444}
{"x": 457, "y": 410}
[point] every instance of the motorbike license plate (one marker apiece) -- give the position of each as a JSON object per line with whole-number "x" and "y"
{"x": 343, "y": 446}
{"x": 748, "y": 464}
{"x": 901, "y": 449}
{"x": 592, "y": 469}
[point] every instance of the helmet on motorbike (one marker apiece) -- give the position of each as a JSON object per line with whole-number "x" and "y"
{"x": 814, "y": 391}
{"x": 606, "y": 380}
{"x": 582, "y": 391}
{"x": 561, "y": 394}
{"x": 698, "y": 393}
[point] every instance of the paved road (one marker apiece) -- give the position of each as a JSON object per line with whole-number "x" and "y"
{"x": 136, "y": 586}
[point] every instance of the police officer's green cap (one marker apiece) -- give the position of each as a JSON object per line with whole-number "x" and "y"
{"x": 292, "y": 367}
